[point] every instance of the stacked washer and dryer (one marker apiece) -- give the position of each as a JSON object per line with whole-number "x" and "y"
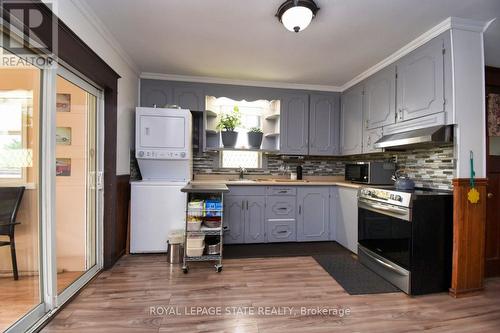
{"x": 164, "y": 154}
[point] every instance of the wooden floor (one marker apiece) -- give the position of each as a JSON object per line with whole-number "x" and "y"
{"x": 19, "y": 297}
{"x": 120, "y": 300}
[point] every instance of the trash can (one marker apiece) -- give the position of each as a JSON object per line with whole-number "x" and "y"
{"x": 175, "y": 253}
{"x": 175, "y": 247}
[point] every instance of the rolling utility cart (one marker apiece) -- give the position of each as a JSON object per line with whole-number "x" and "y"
{"x": 204, "y": 218}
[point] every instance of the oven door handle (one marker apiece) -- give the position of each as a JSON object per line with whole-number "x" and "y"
{"x": 400, "y": 213}
{"x": 390, "y": 209}
{"x": 383, "y": 263}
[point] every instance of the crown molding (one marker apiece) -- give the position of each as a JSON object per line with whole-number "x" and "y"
{"x": 448, "y": 24}
{"x": 216, "y": 80}
{"x": 101, "y": 28}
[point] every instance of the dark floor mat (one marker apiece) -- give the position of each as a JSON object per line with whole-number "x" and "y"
{"x": 237, "y": 251}
{"x": 355, "y": 278}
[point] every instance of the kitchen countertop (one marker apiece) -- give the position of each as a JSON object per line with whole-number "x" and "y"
{"x": 316, "y": 181}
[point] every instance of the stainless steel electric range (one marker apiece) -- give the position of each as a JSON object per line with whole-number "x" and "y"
{"x": 406, "y": 237}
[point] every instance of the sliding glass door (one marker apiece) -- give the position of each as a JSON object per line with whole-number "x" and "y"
{"x": 78, "y": 192}
{"x": 21, "y": 278}
{"x": 51, "y": 162}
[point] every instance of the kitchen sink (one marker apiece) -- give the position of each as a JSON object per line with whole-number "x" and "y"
{"x": 242, "y": 181}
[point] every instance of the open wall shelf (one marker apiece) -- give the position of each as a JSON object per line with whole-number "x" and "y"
{"x": 268, "y": 113}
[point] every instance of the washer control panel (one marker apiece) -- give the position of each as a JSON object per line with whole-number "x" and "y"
{"x": 161, "y": 154}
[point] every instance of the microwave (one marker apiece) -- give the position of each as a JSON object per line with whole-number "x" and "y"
{"x": 370, "y": 172}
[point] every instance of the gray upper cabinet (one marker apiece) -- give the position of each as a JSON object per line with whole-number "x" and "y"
{"x": 294, "y": 124}
{"x": 189, "y": 97}
{"x": 255, "y": 219}
{"x": 370, "y": 136}
{"x": 420, "y": 81}
{"x": 380, "y": 98}
{"x": 324, "y": 118}
{"x": 351, "y": 119}
{"x": 234, "y": 213}
{"x": 313, "y": 213}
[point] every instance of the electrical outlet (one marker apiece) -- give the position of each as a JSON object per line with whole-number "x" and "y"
{"x": 394, "y": 159}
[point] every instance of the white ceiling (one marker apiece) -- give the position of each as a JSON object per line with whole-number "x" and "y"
{"x": 241, "y": 39}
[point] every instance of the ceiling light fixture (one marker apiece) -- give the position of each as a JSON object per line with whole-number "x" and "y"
{"x": 297, "y": 14}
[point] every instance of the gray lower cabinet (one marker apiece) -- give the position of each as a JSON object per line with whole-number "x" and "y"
{"x": 281, "y": 230}
{"x": 294, "y": 124}
{"x": 244, "y": 215}
{"x": 380, "y": 98}
{"x": 420, "y": 81}
{"x": 346, "y": 220}
{"x": 351, "y": 119}
{"x": 234, "y": 214}
{"x": 324, "y": 118}
{"x": 313, "y": 213}
{"x": 254, "y": 219}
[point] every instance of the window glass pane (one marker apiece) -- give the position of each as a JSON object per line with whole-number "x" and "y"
{"x": 244, "y": 159}
{"x": 75, "y": 182}
{"x": 20, "y": 86}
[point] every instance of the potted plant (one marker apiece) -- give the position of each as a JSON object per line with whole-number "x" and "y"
{"x": 227, "y": 123}
{"x": 255, "y": 137}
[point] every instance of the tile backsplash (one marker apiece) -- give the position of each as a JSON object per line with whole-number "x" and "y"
{"x": 430, "y": 167}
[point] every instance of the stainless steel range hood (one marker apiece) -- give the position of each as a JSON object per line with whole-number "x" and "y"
{"x": 430, "y": 136}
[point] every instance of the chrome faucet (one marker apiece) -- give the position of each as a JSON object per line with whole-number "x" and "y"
{"x": 242, "y": 172}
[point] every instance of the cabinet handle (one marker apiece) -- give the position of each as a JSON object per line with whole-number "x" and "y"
{"x": 247, "y": 204}
{"x": 242, "y": 204}
{"x": 300, "y": 209}
{"x": 282, "y": 232}
{"x": 283, "y": 191}
{"x": 282, "y": 208}
{"x": 366, "y": 123}
{"x": 401, "y": 113}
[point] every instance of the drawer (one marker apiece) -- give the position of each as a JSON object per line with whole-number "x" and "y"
{"x": 281, "y": 230}
{"x": 246, "y": 190}
{"x": 281, "y": 190}
{"x": 281, "y": 207}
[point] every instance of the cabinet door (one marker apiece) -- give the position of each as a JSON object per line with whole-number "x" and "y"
{"x": 351, "y": 121}
{"x": 380, "y": 98}
{"x": 347, "y": 218}
{"x": 234, "y": 215}
{"x": 255, "y": 219}
{"x": 370, "y": 136}
{"x": 420, "y": 78}
{"x": 191, "y": 98}
{"x": 313, "y": 211}
{"x": 294, "y": 125}
{"x": 324, "y": 117}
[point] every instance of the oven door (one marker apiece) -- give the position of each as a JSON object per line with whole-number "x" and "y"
{"x": 384, "y": 241}
{"x": 385, "y": 230}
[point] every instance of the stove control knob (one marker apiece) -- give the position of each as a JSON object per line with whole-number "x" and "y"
{"x": 141, "y": 153}
{"x": 398, "y": 198}
{"x": 183, "y": 154}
